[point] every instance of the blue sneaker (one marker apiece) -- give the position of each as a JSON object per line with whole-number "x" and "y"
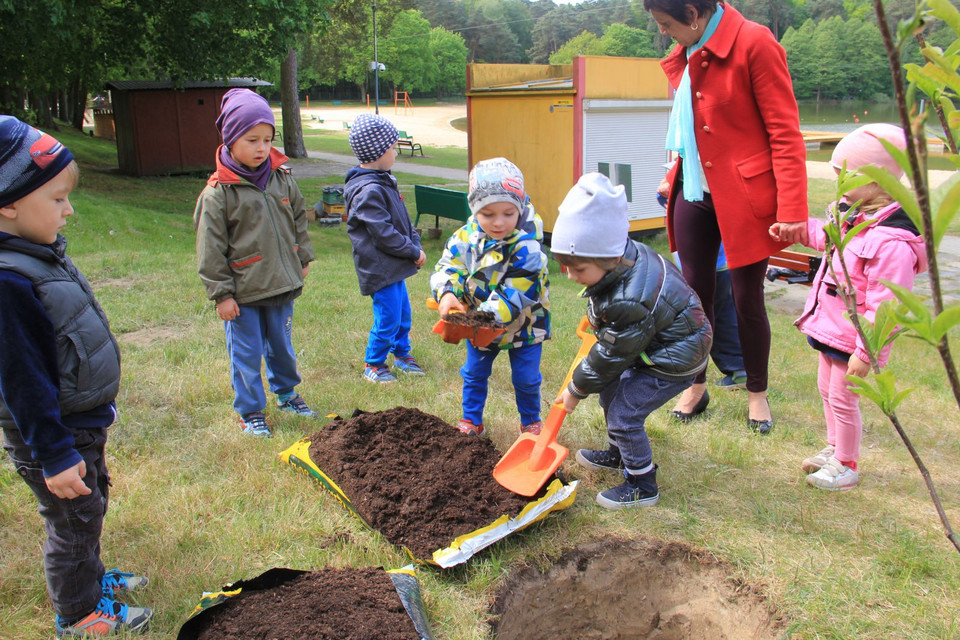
{"x": 109, "y": 618}
{"x": 116, "y": 580}
{"x": 408, "y": 365}
{"x": 295, "y": 404}
{"x": 255, "y": 424}
{"x": 378, "y": 374}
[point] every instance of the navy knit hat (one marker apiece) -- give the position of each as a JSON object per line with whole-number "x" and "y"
{"x": 29, "y": 159}
{"x": 371, "y": 135}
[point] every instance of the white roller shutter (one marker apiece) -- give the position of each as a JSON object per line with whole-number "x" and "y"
{"x": 626, "y": 138}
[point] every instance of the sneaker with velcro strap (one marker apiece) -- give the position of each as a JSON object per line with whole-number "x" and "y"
{"x": 116, "y": 580}
{"x": 408, "y": 366}
{"x": 109, "y": 618}
{"x": 255, "y": 424}
{"x": 296, "y": 404}
{"x": 378, "y": 374}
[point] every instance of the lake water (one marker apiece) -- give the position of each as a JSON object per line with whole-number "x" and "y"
{"x": 845, "y": 116}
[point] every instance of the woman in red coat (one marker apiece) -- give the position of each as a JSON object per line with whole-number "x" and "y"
{"x": 736, "y": 129}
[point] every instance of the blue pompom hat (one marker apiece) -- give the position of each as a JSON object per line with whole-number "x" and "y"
{"x": 29, "y": 158}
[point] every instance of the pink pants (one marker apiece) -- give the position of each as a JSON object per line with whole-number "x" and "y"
{"x": 841, "y": 407}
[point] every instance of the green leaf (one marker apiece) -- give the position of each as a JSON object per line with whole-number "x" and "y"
{"x": 945, "y": 10}
{"x": 901, "y": 193}
{"x": 851, "y": 234}
{"x": 947, "y": 209}
{"x": 948, "y": 318}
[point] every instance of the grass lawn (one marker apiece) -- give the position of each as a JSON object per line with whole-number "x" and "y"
{"x": 196, "y": 504}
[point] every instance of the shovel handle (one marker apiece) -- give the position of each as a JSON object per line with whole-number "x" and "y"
{"x": 539, "y": 457}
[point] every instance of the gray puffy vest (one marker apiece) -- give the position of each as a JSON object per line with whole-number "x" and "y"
{"x": 87, "y": 352}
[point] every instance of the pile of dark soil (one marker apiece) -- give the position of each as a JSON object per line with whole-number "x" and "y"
{"x": 474, "y": 319}
{"x": 341, "y": 604}
{"x": 633, "y": 589}
{"x": 413, "y": 477}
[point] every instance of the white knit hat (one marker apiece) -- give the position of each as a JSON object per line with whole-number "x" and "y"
{"x": 592, "y": 222}
{"x": 862, "y": 147}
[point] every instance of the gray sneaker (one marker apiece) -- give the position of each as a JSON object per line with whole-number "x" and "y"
{"x": 817, "y": 460}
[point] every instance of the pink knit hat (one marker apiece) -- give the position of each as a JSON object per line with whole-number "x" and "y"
{"x": 862, "y": 147}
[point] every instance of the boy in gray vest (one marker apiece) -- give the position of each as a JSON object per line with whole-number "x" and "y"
{"x": 59, "y": 376}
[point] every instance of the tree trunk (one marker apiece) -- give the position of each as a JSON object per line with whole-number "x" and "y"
{"x": 290, "y": 109}
{"x": 78, "y": 103}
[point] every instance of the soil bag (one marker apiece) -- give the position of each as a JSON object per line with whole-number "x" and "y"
{"x": 329, "y": 604}
{"x": 421, "y": 483}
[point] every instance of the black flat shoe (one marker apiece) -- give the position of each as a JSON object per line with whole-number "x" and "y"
{"x": 763, "y": 427}
{"x": 698, "y": 408}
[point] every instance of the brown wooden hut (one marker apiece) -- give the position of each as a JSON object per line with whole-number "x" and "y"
{"x": 163, "y": 129}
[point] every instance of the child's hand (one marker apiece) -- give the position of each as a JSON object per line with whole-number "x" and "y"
{"x": 422, "y": 260}
{"x": 857, "y": 367}
{"x": 68, "y": 484}
{"x": 568, "y": 400}
{"x": 306, "y": 270}
{"x": 228, "y": 309}
{"x": 793, "y": 232}
{"x": 448, "y": 303}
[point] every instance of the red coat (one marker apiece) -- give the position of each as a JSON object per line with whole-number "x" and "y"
{"x": 748, "y": 134}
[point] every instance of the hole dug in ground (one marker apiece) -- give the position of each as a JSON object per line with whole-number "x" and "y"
{"x": 619, "y": 589}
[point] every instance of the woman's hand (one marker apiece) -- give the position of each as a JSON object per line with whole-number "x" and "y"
{"x": 792, "y": 232}
{"x": 448, "y": 303}
{"x": 228, "y": 309}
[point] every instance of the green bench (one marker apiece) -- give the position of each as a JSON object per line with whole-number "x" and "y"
{"x": 442, "y": 203}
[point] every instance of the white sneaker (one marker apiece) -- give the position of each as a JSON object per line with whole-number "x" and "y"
{"x": 816, "y": 461}
{"x": 834, "y": 476}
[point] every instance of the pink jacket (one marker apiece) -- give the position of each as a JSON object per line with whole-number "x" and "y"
{"x": 879, "y": 252}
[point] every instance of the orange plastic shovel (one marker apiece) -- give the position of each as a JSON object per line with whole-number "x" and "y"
{"x": 531, "y": 460}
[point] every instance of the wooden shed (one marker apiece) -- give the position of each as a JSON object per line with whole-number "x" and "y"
{"x": 557, "y": 122}
{"x": 163, "y": 129}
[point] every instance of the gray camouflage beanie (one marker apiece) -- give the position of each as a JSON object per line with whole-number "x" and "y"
{"x": 592, "y": 219}
{"x": 495, "y": 180}
{"x": 29, "y": 158}
{"x": 371, "y": 135}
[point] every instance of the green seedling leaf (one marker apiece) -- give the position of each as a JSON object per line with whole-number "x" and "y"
{"x": 897, "y": 190}
{"x": 883, "y": 393}
{"x": 947, "y": 209}
{"x": 945, "y": 10}
{"x": 948, "y": 318}
{"x": 851, "y": 234}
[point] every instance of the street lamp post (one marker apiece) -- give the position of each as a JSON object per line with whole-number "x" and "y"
{"x": 376, "y": 64}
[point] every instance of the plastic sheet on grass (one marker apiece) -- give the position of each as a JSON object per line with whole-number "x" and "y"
{"x": 404, "y": 581}
{"x": 558, "y": 496}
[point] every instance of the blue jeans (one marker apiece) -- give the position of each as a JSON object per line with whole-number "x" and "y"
{"x": 524, "y": 371}
{"x": 392, "y": 319}
{"x": 626, "y": 404}
{"x": 261, "y": 334}
{"x": 725, "y": 352}
{"x": 71, "y": 552}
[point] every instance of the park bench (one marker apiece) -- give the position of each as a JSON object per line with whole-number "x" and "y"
{"x": 442, "y": 203}
{"x": 793, "y": 266}
{"x": 406, "y": 142}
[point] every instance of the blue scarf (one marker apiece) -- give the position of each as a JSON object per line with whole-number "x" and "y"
{"x": 680, "y": 135}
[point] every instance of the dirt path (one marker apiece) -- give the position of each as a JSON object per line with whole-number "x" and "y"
{"x": 428, "y": 125}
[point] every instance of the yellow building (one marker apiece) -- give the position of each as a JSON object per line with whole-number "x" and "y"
{"x": 557, "y": 122}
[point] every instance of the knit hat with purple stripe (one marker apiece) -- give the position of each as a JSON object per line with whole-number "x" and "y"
{"x": 29, "y": 158}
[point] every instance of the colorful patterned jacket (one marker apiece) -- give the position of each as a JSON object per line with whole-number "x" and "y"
{"x": 507, "y": 277}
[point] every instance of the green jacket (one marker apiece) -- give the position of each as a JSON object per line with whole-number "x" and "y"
{"x": 251, "y": 244}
